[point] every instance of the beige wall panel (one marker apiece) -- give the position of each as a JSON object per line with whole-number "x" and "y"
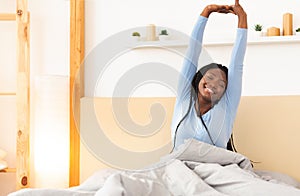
{"x": 267, "y": 130}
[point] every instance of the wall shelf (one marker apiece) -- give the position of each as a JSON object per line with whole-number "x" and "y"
{"x": 275, "y": 39}
{"x": 251, "y": 41}
{"x": 8, "y": 170}
{"x": 8, "y": 94}
{"x": 167, "y": 43}
{"x": 258, "y": 40}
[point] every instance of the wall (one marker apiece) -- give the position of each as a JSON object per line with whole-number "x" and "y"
{"x": 270, "y": 68}
{"x": 109, "y": 18}
{"x": 105, "y": 18}
{"x": 7, "y": 103}
{"x": 49, "y": 48}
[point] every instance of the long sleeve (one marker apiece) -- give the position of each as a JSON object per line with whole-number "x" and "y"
{"x": 220, "y": 118}
{"x": 190, "y": 62}
{"x": 235, "y": 73}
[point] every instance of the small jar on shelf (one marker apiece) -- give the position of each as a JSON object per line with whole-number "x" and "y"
{"x": 163, "y": 36}
{"x": 297, "y": 31}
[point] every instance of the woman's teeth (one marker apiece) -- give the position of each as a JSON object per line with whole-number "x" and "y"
{"x": 209, "y": 90}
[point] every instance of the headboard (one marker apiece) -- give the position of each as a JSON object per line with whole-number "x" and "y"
{"x": 266, "y": 130}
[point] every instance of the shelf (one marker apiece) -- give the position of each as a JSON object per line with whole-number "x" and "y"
{"x": 275, "y": 39}
{"x": 8, "y": 94}
{"x": 8, "y": 170}
{"x": 258, "y": 40}
{"x": 251, "y": 41}
{"x": 7, "y": 17}
{"x": 167, "y": 43}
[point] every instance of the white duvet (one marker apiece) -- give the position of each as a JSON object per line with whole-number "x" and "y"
{"x": 195, "y": 169}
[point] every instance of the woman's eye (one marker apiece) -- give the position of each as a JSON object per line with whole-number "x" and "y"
{"x": 209, "y": 77}
{"x": 222, "y": 85}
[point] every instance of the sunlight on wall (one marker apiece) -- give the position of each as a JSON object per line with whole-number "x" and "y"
{"x": 50, "y": 140}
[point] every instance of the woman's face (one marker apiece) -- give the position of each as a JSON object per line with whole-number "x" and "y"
{"x": 212, "y": 85}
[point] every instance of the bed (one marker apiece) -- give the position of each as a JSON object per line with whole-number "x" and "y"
{"x": 196, "y": 168}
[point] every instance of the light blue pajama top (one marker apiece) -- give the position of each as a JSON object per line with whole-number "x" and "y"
{"x": 219, "y": 120}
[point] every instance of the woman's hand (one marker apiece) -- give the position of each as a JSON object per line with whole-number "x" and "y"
{"x": 225, "y": 9}
{"x": 242, "y": 16}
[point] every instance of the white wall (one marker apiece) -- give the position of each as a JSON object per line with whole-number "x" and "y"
{"x": 104, "y": 18}
{"x": 49, "y": 66}
{"x": 270, "y": 68}
{"x": 107, "y": 18}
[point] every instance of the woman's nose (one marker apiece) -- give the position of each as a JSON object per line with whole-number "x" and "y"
{"x": 214, "y": 85}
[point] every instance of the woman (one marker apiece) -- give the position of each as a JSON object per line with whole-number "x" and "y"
{"x": 207, "y": 101}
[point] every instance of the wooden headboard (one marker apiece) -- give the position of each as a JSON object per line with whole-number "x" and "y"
{"x": 266, "y": 130}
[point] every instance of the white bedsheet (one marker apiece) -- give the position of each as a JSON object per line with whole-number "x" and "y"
{"x": 195, "y": 169}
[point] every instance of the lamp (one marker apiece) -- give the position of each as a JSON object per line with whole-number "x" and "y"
{"x": 50, "y": 132}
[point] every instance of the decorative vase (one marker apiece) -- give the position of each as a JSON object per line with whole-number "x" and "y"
{"x": 163, "y": 37}
{"x": 257, "y": 33}
{"x": 151, "y": 32}
{"x": 273, "y": 31}
{"x": 287, "y": 24}
{"x": 135, "y": 38}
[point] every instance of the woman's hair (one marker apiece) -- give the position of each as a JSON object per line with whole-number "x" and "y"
{"x": 198, "y": 76}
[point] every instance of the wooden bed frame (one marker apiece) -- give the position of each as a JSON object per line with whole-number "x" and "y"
{"x": 22, "y": 19}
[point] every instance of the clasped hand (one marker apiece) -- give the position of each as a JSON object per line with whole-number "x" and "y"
{"x": 236, "y": 9}
{"x": 225, "y": 9}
